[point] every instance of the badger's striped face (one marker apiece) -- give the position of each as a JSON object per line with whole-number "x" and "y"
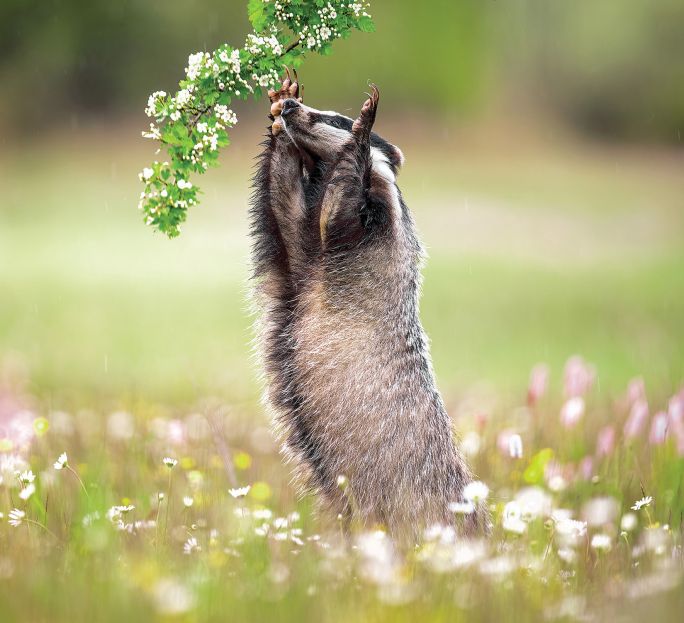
{"x": 323, "y": 133}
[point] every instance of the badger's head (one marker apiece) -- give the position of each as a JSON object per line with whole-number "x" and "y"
{"x": 322, "y": 133}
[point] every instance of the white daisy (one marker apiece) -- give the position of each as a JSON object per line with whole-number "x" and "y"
{"x": 27, "y": 491}
{"x": 61, "y": 462}
{"x": 191, "y": 545}
{"x": 240, "y": 492}
{"x": 642, "y": 503}
{"x": 475, "y": 491}
{"x": 16, "y": 517}
{"x": 169, "y": 462}
{"x": 601, "y": 542}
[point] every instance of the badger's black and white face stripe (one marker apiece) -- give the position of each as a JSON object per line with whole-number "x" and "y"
{"x": 323, "y": 133}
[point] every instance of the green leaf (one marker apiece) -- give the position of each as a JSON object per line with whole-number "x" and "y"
{"x": 366, "y": 24}
{"x": 534, "y": 473}
{"x": 257, "y": 14}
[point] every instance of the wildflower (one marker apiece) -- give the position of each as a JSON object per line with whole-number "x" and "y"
{"x": 642, "y": 503}
{"x": 342, "y": 481}
{"x": 512, "y": 518}
{"x": 628, "y": 522}
{"x": 605, "y": 441}
{"x": 638, "y": 416}
{"x": 26, "y": 477}
{"x": 570, "y": 531}
{"x": 172, "y": 598}
{"x": 191, "y": 545}
{"x": 61, "y": 461}
{"x": 169, "y": 462}
{"x": 534, "y": 502}
{"x": 16, "y": 517}
{"x": 636, "y": 390}
{"x": 476, "y": 491}
{"x": 659, "y": 429}
{"x": 579, "y": 377}
{"x": 567, "y": 555}
{"x": 27, "y": 491}
{"x": 572, "y": 411}
{"x": 600, "y": 510}
{"x": 555, "y": 474}
{"x": 470, "y": 444}
{"x": 239, "y": 492}
{"x": 462, "y": 508}
{"x": 586, "y": 467}
{"x": 515, "y": 446}
{"x": 538, "y": 381}
{"x": 115, "y": 513}
{"x": 188, "y": 501}
{"x": 183, "y": 184}
{"x": 601, "y": 542}
{"x": 120, "y": 425}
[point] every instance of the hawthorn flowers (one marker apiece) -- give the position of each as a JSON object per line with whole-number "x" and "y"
{"x": 193, "y": 123}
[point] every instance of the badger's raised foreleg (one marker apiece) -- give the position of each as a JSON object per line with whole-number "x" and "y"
{"x": 360, "y": 189}
{"x": 277, "y": 206}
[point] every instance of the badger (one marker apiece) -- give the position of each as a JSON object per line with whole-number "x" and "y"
{"x": 337, "y": 276}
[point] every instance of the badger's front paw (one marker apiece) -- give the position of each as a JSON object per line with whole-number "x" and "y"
{"x": 364, "y": 122}
{"x": 289, "y": 89}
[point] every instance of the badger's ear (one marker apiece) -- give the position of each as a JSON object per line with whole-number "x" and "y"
{"x": 397, "y": 157}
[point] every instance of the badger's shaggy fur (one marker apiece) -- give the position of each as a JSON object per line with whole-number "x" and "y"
{"x": 348, "y": 371}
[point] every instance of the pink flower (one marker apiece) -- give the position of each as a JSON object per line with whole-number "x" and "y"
{"x": 579, "y": 376}
{"x": 586, "y": 467}
{"x": 538, "y": 380}
{"x": 572, "y": 411}
{"x": 605, "y": 441}
{"x": 676, "y": 417}
{"x": 636, "y": 390}
{"x": 638, "y": 416}
{"x": 659, "y": 427}
{"x": 676, "y": 409}
{"x": 175, "y": 433}
{"x": 503, "y": 441}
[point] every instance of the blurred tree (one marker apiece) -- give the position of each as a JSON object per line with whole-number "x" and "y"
{"x": 614, "y": 67}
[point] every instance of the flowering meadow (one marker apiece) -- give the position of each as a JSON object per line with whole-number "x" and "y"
{"x": 190, "y": 516}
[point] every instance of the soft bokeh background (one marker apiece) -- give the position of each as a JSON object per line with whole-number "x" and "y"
{"x": 544, "y": 164}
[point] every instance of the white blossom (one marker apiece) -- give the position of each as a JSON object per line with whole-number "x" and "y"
{"x": 16, "y": 517}
{"x": 642, "y": 503}
{"x": 240, "y": 492}
{"x": 475, "y": 491}
{"x": 191, "y": 546}
{"x": 62, "y": 460}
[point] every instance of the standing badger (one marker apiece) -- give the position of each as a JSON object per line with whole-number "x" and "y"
{"x": 348, "y": 371}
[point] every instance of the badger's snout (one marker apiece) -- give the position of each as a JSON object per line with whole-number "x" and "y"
{"x": 289, "y": 105}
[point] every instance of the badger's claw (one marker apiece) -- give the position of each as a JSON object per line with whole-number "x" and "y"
{"x": 364, "y": 122}
{"x": 289, "y": 89}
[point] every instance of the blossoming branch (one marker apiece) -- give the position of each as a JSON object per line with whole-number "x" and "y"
{"x": 193, "y": 124}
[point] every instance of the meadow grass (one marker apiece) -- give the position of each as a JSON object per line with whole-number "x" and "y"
{"x": 122, "y": 348}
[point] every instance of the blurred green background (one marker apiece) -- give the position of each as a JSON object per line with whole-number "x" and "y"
{"x": 544, "y": 164}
